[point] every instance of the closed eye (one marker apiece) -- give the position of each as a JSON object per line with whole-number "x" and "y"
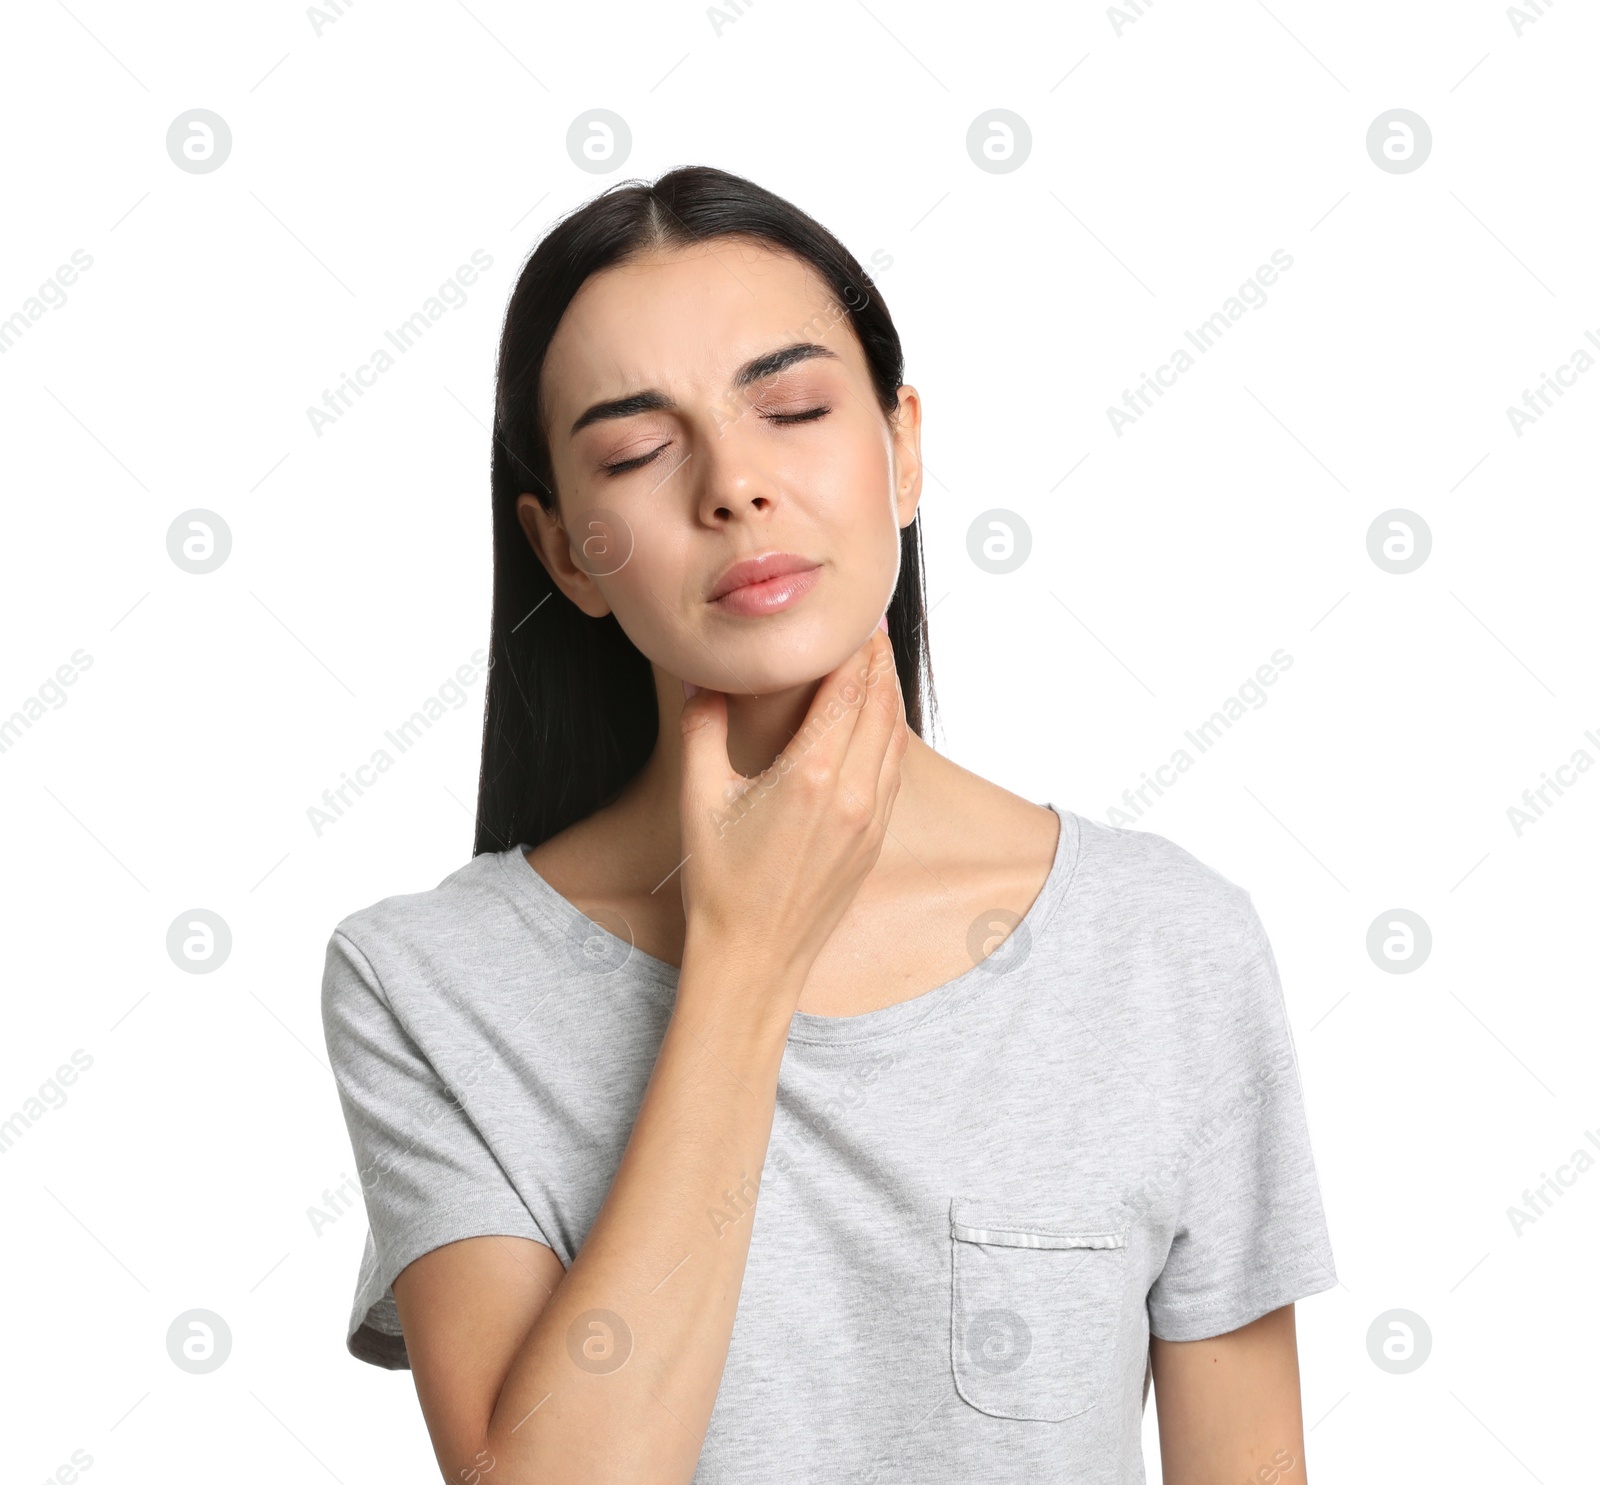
{"x": 809, "y": 416}
{"x": 627, "y": 466}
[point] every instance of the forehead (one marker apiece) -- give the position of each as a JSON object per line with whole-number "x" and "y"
{"x": 685, "y": 319}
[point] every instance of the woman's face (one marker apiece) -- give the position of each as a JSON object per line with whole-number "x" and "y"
{"x": 677, "y": 454}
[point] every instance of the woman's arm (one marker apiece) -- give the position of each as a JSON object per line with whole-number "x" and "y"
{"x": 1228, "y": 1407}
{"x": 522, "y": 1372}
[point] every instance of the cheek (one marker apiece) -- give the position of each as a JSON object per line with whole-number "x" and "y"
{"x": 847, "y": 490}
{"x": 603, "y": 540}
{"x": 847, "y": 499}
{"x": 648, "y": 581}
{"x": 864, "y": 518}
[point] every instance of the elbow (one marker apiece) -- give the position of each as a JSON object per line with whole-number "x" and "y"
{"x": 473, "y": 1467}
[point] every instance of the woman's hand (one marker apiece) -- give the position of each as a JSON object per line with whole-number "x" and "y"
{"x": 774, "y": 861}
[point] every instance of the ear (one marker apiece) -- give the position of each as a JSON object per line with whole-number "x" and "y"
{"x": 907, "y": 436}
{"x": 551, "y": 545}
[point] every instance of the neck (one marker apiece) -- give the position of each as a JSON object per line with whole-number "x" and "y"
{"x": 759, "y": 728}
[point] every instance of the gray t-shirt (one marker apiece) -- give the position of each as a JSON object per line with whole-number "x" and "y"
{"x": 976, "y": 1207}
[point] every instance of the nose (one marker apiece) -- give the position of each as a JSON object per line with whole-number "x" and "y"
{"x": 734, "y": 484}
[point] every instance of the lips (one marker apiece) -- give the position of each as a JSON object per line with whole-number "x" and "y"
{"x": 759, "y": 570}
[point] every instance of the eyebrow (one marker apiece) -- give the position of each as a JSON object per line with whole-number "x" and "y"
{"x": 653, "y": 400}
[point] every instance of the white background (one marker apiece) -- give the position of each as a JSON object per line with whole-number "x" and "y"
{"x": 1171, "y": 154}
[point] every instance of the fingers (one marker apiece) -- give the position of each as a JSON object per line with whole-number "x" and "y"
{"x": 704, "y": 720}
{"x": 848, "y": 738}
{"x": 874, "y": 746}
{"x": 831, "y": 718}
{"x": 899, "y": 741}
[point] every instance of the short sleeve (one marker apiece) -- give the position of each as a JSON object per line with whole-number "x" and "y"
{"x": 1250, "y": 1234}
{"x": 427, "y": 1175}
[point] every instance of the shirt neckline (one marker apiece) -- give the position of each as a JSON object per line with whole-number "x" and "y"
{"x": 807, "y": 1027}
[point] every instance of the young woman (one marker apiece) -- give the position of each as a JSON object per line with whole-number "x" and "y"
{"x": 770, "y": 1098}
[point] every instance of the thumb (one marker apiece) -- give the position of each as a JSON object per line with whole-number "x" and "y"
{"x": 704, "y": 720}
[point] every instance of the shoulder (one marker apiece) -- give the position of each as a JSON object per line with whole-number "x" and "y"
{"x": 1180, "y": 953}
{"x": 1167, "y": 931}
{"x": 1158, "y": 886}
{"x": 406, "y": 930}
{"x": 435, "y": 909}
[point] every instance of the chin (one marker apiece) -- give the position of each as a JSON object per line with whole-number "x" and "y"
{"x": 781, "y": 661}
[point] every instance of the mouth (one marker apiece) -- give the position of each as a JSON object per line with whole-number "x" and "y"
{"x": 764, "y": 585}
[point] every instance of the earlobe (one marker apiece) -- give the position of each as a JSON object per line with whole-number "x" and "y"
{"x": 909, "y": 498}
{"x": 909, "y": 494}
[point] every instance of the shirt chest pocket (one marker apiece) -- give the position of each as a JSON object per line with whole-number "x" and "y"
{"x": 1035, "y": 1304}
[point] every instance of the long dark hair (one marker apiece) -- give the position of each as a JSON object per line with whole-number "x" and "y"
{"x": 570, "y": 712}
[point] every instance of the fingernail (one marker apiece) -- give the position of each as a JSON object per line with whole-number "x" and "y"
{"x": 690, "y": 689}
{"x": 883, "y": 623}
